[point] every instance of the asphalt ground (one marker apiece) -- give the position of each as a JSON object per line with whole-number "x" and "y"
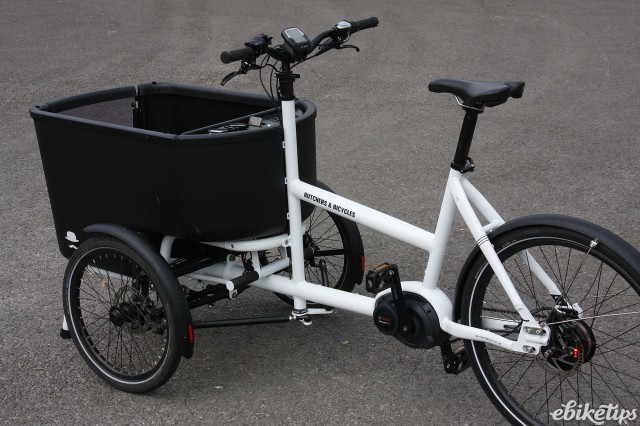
{"x": 570, "y": 146}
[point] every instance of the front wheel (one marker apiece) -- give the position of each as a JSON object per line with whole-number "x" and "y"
{"x": 120, "y": 315}
{"x": 593, "y": 357}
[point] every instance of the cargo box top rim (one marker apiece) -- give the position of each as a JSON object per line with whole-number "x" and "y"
{"x": 110, "y": 94}
{"x": 75, "y": 101}
{"x": 235, "y": 96}
{"x": 104, "y": 95}
{"x": 166, "y": 138}
{"x": 49, "y": 111}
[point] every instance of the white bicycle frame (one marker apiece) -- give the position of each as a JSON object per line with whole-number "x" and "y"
{"x": 459, "y": 194}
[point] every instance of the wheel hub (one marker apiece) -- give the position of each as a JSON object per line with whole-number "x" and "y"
{"x": 310, "y": 248}
{"x": 136, "y": 317}
{"x": 571, "y": 345}
{"x": 116, "y": 317}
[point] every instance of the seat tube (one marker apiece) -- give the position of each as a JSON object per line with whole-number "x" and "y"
{"x": 443, "y": 230}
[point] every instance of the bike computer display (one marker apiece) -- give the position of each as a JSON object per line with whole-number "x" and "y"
{"x": 295, "y": 41}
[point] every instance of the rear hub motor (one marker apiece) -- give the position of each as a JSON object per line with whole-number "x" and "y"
{"x": 571, "y": 345}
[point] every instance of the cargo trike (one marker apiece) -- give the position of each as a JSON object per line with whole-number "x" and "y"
{"x": 167, "y": 197}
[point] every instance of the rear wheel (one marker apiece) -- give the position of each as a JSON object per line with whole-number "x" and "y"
{"x": 120, "y": 316}
{"x": 593, "y": 356}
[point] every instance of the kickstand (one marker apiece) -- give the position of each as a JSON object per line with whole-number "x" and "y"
{"x": 64, "y": 331}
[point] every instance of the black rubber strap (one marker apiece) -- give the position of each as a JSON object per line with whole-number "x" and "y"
{"x": 244, "y": 280}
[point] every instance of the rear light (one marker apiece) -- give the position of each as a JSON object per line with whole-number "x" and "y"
{"x": 190, "y": 331}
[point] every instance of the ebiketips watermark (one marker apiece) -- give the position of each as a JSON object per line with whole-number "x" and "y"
{"x": 604, "y": 413}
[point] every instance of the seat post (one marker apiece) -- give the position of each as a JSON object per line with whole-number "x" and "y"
{"x": 464, "y": 141}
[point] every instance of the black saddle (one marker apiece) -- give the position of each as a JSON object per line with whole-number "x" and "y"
{"x": 478, "y": 94}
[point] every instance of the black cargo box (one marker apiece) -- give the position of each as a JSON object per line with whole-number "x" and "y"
{"x": 134, "y": 156}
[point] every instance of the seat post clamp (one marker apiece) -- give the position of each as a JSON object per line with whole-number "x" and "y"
{"x": 468, "y": 107}
{"x": 468, "y": 167}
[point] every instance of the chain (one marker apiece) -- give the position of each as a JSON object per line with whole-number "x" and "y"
{"x": 512, "y": 312}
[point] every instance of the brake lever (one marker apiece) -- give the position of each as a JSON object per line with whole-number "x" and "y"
{"x": 327, "y": 46}
{"x": 228, "y": 77}
{"x": 348, "y": 46}
{"x": 244, "y": 68}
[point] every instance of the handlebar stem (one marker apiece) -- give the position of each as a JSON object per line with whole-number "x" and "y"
{"x": 286, "y": 79}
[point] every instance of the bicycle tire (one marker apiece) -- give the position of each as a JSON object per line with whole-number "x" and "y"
{"x": 601, "y": 275}
{"x": 120, "y": 315}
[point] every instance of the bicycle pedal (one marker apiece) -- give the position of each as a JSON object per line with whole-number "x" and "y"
{"x": 380, "y": 278}
{"x": 455, "y": 360}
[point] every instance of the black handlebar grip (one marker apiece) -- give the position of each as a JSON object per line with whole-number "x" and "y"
{"x": 364, "y": 24}
{"x": 246, "y": 53}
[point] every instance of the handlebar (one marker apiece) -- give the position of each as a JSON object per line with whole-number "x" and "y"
{"x": 251, "y": 51}
{"x": 355, "y": 26}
